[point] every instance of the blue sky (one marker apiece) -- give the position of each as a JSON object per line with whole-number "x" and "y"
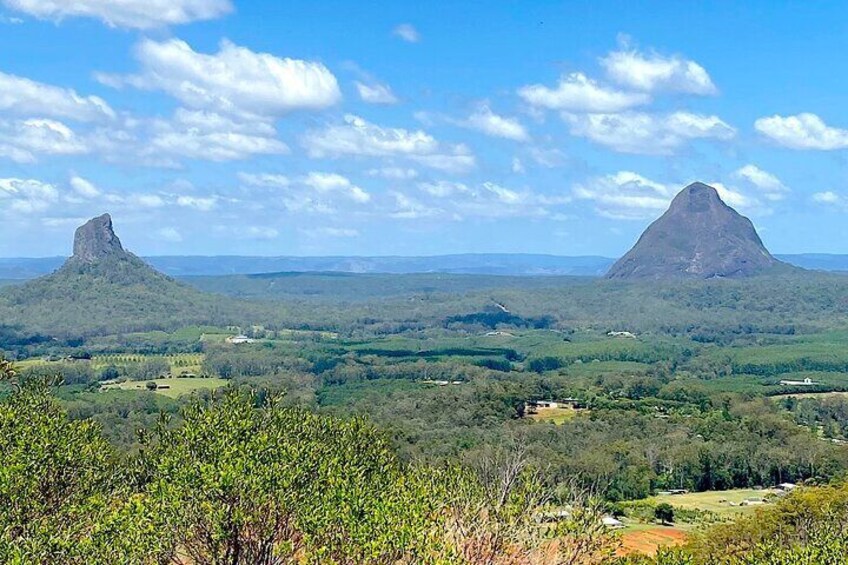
{"x": 379, "y": 128}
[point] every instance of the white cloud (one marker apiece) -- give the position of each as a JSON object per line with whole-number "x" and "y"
{"x": 518, "y": 166}
{"x": 27, "y": 98}
{"x": 802, "y": 131}
{"x": 549, "y": 158}
{"x": 828, "y": 197}
{"x": 26, "y": 196}
{"x": 735, "y": 198}
{"x": 376, "y": 93}
{"x": 486, "y": 121}
{"x": 213, "y": 137}
{"x": 359, "y": 137}
{"x": 649, "y": 134}
{"x": 169, "y": 234}
{"x": 203, "y": 204}
{"x": 140, "y": 14}
{"x": 488, "y": 200}
{"x": 409, "y": 208}
{"x": 578, "y": 93}
{"x": 316, "y": 192}
{"x": 654, "y": 72}
{"x": 394, "y": 173}
{"x": 147, "y": 200}
{"x": 84, "y": 188}
{"x": 235, "y": 80}
{"x": 625, "y": 195}
{"x": 766, "y": 182}
{"x": 331, "y": 182}
{"x": 407, "y": 32}
{"x": 23, "y": 141}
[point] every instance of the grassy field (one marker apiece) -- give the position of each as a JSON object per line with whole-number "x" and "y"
{"x": 641, "y": 537}
{"x": 724, "y": 503}
{"x": 177, "y": 387}
{"x": 555, "y": 415}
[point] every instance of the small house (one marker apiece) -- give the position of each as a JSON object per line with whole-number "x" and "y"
{"x": 612, "y": 523}
{"x": 237, "y": 339}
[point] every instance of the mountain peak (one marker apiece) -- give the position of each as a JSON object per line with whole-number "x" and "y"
{"x": 699, "y": 236}
{"x": 95, "y": 240}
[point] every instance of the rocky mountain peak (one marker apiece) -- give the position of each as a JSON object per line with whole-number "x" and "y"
{"x": 95, "y": 240}
{"x": 699, "y": 236}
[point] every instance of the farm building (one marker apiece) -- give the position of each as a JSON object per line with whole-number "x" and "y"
{"x": 611, "y": 522}
{"x": 239, "y": 339}
{"x": 806, "y": 382}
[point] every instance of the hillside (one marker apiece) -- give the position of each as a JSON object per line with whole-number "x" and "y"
{"x": 699, "y": 236}
{"x": 104, "y": 289}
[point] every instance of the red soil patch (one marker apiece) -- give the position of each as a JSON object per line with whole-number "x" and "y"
{"x": 648, "y": 541}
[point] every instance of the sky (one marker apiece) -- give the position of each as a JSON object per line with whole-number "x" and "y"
{"x": 258, "y": 127}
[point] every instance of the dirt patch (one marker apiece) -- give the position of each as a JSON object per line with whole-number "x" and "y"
{"x": 649, "y": 539}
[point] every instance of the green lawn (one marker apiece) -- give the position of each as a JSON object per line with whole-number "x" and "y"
{"x": 555, "y": 415}
{"x": 177, "y": 387}
{"x": 723, "y": 503}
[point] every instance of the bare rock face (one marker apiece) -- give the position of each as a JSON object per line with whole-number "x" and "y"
{"x": 96, "y": 240}
{"x": 699, "y": 236}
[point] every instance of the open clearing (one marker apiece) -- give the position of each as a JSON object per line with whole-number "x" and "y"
{"x": 555, "y": 415}
{"x": 647, "y": 539}
{"x": 723, "y": 503}
{"x": 176, "y": 387}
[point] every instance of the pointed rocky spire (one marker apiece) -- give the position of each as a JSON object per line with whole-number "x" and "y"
{"x": 95, "y": 240}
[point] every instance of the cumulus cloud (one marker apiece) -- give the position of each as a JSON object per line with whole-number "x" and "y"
{"x": 630, "y": 196}
{"x": 494, "y": 125}
{"x": 393, "y": 173}
{"x": 235, "y": 80}
{"x": 315, "y": 192}
{"x": 24, "y": 141}
{"x": 802, "y": 131}
{"x": 578, "y": 93}
{"x": 407, "y": 32}
{"x": 625, "y": 195}
{"x": 357, "y": 137}
{"x": 138, "y": 14}
{"x": 84, "y": 188}
{"x": 25, "y": 196}
{"x": 26, "y": 97}
{"x": 376, "y": 93}
{"x": 772, "y": 187}
{"x": 827, "y": 197}
{"x": 202, "y": 204}
{"x": 169, "y": 234}
{"x": 649, "y": 134}
{"x": 654, "y": 72}
{"x": 213, "y": 137}
{"x": 332, "y": 182}
{"x": 486, "y": 200}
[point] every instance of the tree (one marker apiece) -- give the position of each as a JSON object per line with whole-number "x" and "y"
{"x": 664, "y": 512}
{"x": 243, "y": 484}
{"x": 62, "y": 494}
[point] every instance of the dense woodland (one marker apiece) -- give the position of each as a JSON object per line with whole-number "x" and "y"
{"x": 670, "y": 386}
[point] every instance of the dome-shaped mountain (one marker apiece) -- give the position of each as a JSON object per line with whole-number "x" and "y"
{"x": 699, "y": 236}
